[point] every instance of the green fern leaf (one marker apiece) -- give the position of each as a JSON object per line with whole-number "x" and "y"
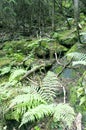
{"x": 30, "y": 100}
{"x": 50, "y": 85}
{"x": 79, "y": 63}
{"x": 16, "y": 74}
{"x": 37, "y": 113}
{"x": 65, "y": 114}
{"x": 80, "y": 58}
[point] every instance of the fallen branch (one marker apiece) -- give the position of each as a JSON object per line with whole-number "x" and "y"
{"x": 64, "y": 92}
{"x": 32, "y": 70}
{"x": 57, "y": 59}
{"x": 32, "y": 81}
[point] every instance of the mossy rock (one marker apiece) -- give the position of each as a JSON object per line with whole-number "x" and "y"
{"x": 50, "y": 49}
{"x": 18, "y": 57}
{"x": 77, "y": 48}
{"x": 16, "y": 46}
{"x": 66, "y": 37}
{"x": 2, "y": 53}
{"x": 4, "y": 61}
{"x": 61, "y": 48}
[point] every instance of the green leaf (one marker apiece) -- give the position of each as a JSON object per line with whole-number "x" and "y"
{"x": 82, "y": 100}
{"x": 16, "y": 74}
{"x": 5, "y": 70}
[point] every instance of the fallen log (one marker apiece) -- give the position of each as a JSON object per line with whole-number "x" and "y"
{"x": 34, "y": 69}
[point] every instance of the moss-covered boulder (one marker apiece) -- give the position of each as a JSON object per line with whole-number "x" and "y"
{"x": 16, "y": 46}
{"x": 49, "y": 47}
{"x": 66, "y": 37}
{"x": 4, "y": 61}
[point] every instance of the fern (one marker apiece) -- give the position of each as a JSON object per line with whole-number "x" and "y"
{"x": 37, "y": 113}
{"x": 62, "y": 112}
{"x": 50, "y": 85}
{"x": 35, "y": 104}
{"x": 16, "y": 74}
{"x": 30, "y": 100}
{"x": 22, "y": 103}
{"x": 5, "y": 70}
{"x": 65, "y": 114}
{"x": 80, "y": 58}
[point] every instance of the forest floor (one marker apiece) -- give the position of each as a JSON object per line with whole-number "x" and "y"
{"x": 38, "y": 56}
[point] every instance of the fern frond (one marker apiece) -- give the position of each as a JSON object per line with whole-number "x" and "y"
{"x": 80, "y": 58}
{"x": 37, "y": 113}
{"x": 31, "y": 100}
{"x": 50, "y": 85}
{"x": 16, "y": 74}
{"x": 79, "y": 63}
{"x": 65, "y": 114}
{"x": 23, "y": 103}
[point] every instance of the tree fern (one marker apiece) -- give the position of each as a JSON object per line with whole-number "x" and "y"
{"x": 79, "y": 58}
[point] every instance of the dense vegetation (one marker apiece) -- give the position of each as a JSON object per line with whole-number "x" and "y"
{"x": 42, "y": 65}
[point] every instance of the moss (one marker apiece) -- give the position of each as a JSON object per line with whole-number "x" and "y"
{"x": 58, "y": 69}
{"x": 4, "y": 79}
{"x": 18, "y": 57}
{"x": 2, "y": 53}
{"x": 79, "y": 49}
{"x": 4, "y": 61}
{"x": 16, "y": 46}
{"x": 73, "y": 96}
{"x": 56, "y": 47}
{"x": 66, "y": 37}
{"x": 74, "y": 48}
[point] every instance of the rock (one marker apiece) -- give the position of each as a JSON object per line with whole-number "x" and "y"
{"x": 66, "y": 37}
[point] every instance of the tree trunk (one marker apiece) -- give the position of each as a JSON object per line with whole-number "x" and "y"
{"x": 76, "y": 17}
{"x": 53, "y": 16}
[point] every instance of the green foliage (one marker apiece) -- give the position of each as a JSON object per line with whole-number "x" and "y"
{"x": 60, "y": 112}
{"x": 36, "y": 104}
{"x": 4, "y": 61}
{"x": 18, "y": 57}
{"x": 65, "y": 114}
{"x": 16, "y": 47}
{"x": 73, "y": 96}
{"x": 5, "y": 70}
{"x": 16, "y": 74}
{"x": 50, "y": 85}
{"x": 22, "y": 103}
{"x": 36, "y": 128}
{"x": 80, "y": 58}
{"x": 81, "y": 92}
{"x": 83, "y": 37}
{"x": 37, "y": 113}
